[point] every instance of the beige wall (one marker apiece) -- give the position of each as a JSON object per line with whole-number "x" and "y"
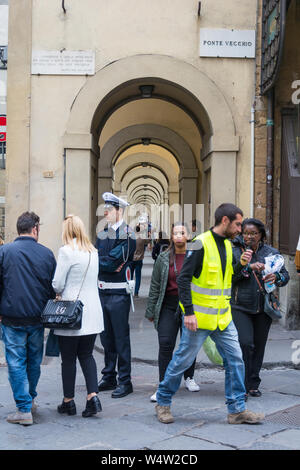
{"x": 41, "y": 108}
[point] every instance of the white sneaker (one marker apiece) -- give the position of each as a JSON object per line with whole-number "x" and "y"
{"x": 153, "y": 398}
{"x": 191, "y": 385}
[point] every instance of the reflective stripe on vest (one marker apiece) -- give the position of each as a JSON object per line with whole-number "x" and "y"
{"x": 203, "y": 291}
{"x": 209, "y": 310}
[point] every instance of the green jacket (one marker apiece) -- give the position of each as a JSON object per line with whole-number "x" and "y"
{"x": 158, "y": 287}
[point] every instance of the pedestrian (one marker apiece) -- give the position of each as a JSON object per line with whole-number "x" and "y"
{"x": 77, "y": 274}
{"x": 204, "y": 286}
{"x": 116, "y": 246}
{"x": 297, "y": 257}
{"x": 26, "y": 272}
{"x": 162, "y": 306}
{"x": 247, "y": 300}
{"x": 138, "y": 258}
{"x": 195, "y": 228}
{"x": 161, "y": 244}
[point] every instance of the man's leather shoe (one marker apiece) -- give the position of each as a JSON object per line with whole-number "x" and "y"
{"x": 104, "y": 385}
{"x": 122, "y": 390}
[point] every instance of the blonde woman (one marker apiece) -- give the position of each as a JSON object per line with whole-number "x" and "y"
{"x": 76, "y": 257}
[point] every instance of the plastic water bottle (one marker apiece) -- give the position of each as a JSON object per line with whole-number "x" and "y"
{"x": 273, "y": 264}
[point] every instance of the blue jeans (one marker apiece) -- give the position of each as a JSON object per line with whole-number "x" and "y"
{"x": 228, "y": 346}
{"x": 24, "y": 354}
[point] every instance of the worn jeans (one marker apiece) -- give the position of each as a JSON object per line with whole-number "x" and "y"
{"x": 24, "y": 354}
{"x": 228, "y": 346}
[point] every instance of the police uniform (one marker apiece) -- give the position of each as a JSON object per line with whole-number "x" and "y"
{"x": 116, "y": 246}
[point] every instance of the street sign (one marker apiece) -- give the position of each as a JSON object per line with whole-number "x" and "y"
{"x": 2, "y": 128}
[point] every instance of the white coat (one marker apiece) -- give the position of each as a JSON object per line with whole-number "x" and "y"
{"x": 70, "y": 269}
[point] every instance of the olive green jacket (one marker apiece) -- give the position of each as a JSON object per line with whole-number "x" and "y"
{"x": 158, "y": 286}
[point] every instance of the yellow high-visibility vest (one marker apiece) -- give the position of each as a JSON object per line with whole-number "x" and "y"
{"x": 211, "y": 291}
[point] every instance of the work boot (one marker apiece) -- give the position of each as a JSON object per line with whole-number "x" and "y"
{"x": 34, "y": 407}
{"x": 163, "y": 414}
{"x": 246, "y": 416}
{"x": 19, "y": 417}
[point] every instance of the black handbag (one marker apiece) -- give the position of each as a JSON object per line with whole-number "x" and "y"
{"x": 64, "y": 314}
{"x": 271, "y": 302}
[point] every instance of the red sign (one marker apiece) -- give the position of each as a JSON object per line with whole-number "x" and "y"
{"x": 2, "y": 128}
{"x": 128, "y": 274}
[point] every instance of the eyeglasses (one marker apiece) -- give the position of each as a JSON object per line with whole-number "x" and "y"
{"x": 250, "y": 234}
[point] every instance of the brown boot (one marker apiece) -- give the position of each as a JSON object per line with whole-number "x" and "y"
{"x": 164, "y": 414}
{"x": 247, "y": 417}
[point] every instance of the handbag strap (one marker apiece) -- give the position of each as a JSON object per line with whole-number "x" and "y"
{"x": 259, "y": 284}
{"x": 84, "y": 276}
{"x": 257, "y": 280}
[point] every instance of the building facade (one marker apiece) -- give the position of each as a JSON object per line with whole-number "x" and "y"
{"x": 3, "y": 85}
{"x": 156, "y": 101}
{"x": 277, "y": 131}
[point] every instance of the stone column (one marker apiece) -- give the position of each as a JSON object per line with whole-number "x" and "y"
{"x": 81, "y": 187}
{"x": 188, "y": 179}
{"x": 81, "y": 177}
{"x": 219, "y": 165}
{"x": 18, "y": 111}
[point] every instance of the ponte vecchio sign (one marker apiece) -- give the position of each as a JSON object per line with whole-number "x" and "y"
{"x": 227, "y": 43}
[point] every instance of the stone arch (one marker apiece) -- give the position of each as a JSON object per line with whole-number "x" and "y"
{"x": 216, "y": 116}
{"x": 191, "y": 88}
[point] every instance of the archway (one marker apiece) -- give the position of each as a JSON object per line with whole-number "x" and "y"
{"x": 123, "y": 82}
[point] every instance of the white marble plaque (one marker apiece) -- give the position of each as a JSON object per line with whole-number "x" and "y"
{"x": 227, "y": 43}
{"x": 63, "y": 62}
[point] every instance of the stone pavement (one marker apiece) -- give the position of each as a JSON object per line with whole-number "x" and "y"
{"x": 130, "y": 423}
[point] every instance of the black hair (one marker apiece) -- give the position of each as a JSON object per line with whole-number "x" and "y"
{"x": 137, "y": 228}
{"x": 258, "y": 223}
{"x": 26, "y": 222}
{"x": 227, "y": 210}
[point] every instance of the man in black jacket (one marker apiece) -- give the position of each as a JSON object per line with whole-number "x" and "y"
{"x": 26, "y": 273}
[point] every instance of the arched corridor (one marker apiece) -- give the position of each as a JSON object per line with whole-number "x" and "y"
{"x": 156, "y": 137}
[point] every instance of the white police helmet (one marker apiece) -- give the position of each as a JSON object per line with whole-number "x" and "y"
{"x": 112, "y": 200}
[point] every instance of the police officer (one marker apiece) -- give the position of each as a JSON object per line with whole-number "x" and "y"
{"x": 116, "y": 245}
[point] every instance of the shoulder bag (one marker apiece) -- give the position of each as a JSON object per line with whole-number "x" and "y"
{"x": 271, "y": 302}
{"x": 64, "y": 314}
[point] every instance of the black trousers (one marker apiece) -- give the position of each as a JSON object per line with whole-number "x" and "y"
{"x": 115, "y": 338}
{"x": 253, "y": 330}
{"x": 168, "y": 326}
{"x": 81, "y": 347}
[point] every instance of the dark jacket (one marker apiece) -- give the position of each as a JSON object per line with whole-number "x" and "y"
{"x": 246, "y": 295}
{"x": 26, "y": 272}
{"x": 159, "y": 247}
{"x": 115, "y": 248}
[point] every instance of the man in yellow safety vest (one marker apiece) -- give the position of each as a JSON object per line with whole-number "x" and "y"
{"x": 204, "y": 286}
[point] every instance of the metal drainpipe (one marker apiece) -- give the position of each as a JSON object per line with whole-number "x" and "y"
{"x": 270, "y": 166}
{"x": 64, "y": 185}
